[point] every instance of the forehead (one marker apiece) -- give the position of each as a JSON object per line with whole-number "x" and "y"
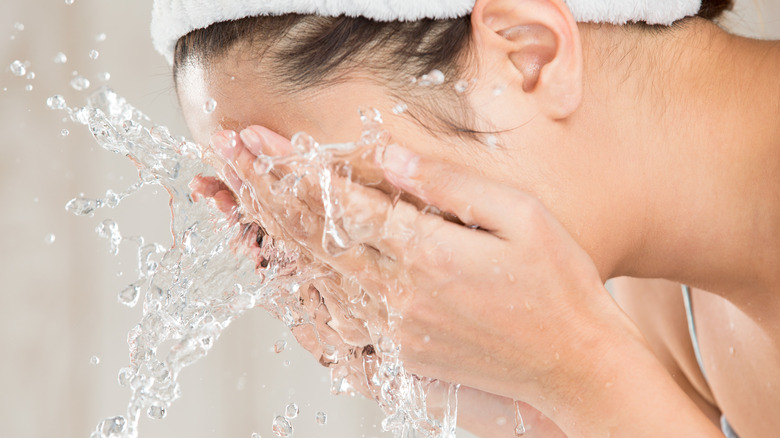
{"x": 243, "y": 98}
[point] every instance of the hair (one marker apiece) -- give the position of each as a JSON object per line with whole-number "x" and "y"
{"x": 305, "y": 51}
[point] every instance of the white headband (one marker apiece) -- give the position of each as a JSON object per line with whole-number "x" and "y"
{"x": 172, "y": 19}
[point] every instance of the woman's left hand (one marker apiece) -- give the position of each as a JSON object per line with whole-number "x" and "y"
{"x": 504, "y": 301}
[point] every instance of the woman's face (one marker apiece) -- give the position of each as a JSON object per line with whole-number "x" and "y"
{"x": 329, "y": 114}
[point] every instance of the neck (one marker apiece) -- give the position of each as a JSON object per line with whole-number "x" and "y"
{"x": 693, "y": 183}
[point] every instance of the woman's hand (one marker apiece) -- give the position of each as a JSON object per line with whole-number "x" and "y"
{"x": 502, "y": 300}
{"x": 325, "y": 334}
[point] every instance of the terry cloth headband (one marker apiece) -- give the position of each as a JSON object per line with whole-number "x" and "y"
{"x": 172, "y": 19}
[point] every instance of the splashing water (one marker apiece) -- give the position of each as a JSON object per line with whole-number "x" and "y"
{"x": 519, "y": 424}
{"x": 194, "y": 290}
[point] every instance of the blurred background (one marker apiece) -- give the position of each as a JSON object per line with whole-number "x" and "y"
{"x": 58, "y": 306}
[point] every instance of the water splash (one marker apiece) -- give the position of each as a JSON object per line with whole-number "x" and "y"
{"x": 519, "y": 424}
{"x": 192, "y": 291}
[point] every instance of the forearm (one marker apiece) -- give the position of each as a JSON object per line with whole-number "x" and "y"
{"x": 489, "y": 415}
{"x": 627, "y": 393}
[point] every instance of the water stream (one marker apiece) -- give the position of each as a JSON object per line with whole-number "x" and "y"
{"x": 191, "y": 292}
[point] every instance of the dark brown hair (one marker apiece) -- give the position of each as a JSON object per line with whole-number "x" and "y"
{"x": 304, "y": 51}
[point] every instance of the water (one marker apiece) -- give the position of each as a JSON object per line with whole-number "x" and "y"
{"x": 281, "y": 427}
{"x": 321, "y": 418}
{"x": 17, "y": 68}
{"x": 291, "y": 411}
{"x": 191, "y": 292}
{"x": 60, "y": 58}
{"x": 209, "y": 106}
{"x": 79, "y": 83}
{"x": 519, "y": 424}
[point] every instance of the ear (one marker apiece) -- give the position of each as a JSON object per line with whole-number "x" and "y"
{"x": 537, "y": 43}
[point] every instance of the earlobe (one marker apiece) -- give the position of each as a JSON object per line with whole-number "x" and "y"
{"x": 540, "y": 40}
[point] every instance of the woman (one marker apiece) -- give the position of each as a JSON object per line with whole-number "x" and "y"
{"x": 573, "y": 154}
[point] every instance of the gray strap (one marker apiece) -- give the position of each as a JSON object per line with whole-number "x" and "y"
{"x": 686, "y": 290}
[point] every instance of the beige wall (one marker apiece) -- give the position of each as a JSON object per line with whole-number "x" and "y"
{"x": 58, "y": 302}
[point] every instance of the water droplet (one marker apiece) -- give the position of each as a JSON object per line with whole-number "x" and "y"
{"x": 50, "y": 238}
{"x": 434, "y": 77}
{"x": 732, "y": 351}
{"x": 461, "y": 86}
{"x": 499, "y": 90}
{"x": 56, "y": 102}
{"x": 68, "y": 2}
{"x": 400, "y": 108}
{"x": 492, "y": 141}
{"x": 129, "y": 296}
{"x": 112, "y": 426}
{"x": 385, "y": 344}
{"x": 94, "y": 54}
{"x": 519, "y": 425}
{"x": 104, "y": 76}
{"x": 60, "y": 58}
{"x": 291, "y": 411}
{"x": 100, "y": 37}
{"x": 29, "y": 87}
{"x": 79, "y": 83}
{"x": 263, "y": 165}
{"x": 280, "y": 345}
{"x": 18, "y": 68}
{"x": 124, "y": 377}
{"x": 19, "y": 26}
{"x": 426, "y": 339}
{"x": 94, "y": 360}
{"x": 321, "y": 418}
{"x": 30, "y": 75}
{"x": 109, "y": 229}
{"x": 64, "y": 132}
{"x": 281, "y": 427}
{"x": 209, "y": 106}
{"x": 156, "y": 412}
{"x": 256, "y": 435}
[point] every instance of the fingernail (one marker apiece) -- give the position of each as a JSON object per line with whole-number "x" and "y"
{"x": 225, "y": 144}
{"x": 252, "y": 141}
{"x": 400, "y": 161}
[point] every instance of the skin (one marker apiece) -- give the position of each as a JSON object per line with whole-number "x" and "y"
{"x": 639, "y": 154}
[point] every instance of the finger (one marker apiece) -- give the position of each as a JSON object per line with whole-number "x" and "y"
{"x": 216, "y": 190}
{"x": 263, "y": 141}
{"x": 475, "y": 200}
{"x": 205, "y": 187}
{"x": 295, "y": 218}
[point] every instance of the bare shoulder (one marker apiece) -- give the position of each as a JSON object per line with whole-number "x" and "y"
{"x": 656, "y": 306}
